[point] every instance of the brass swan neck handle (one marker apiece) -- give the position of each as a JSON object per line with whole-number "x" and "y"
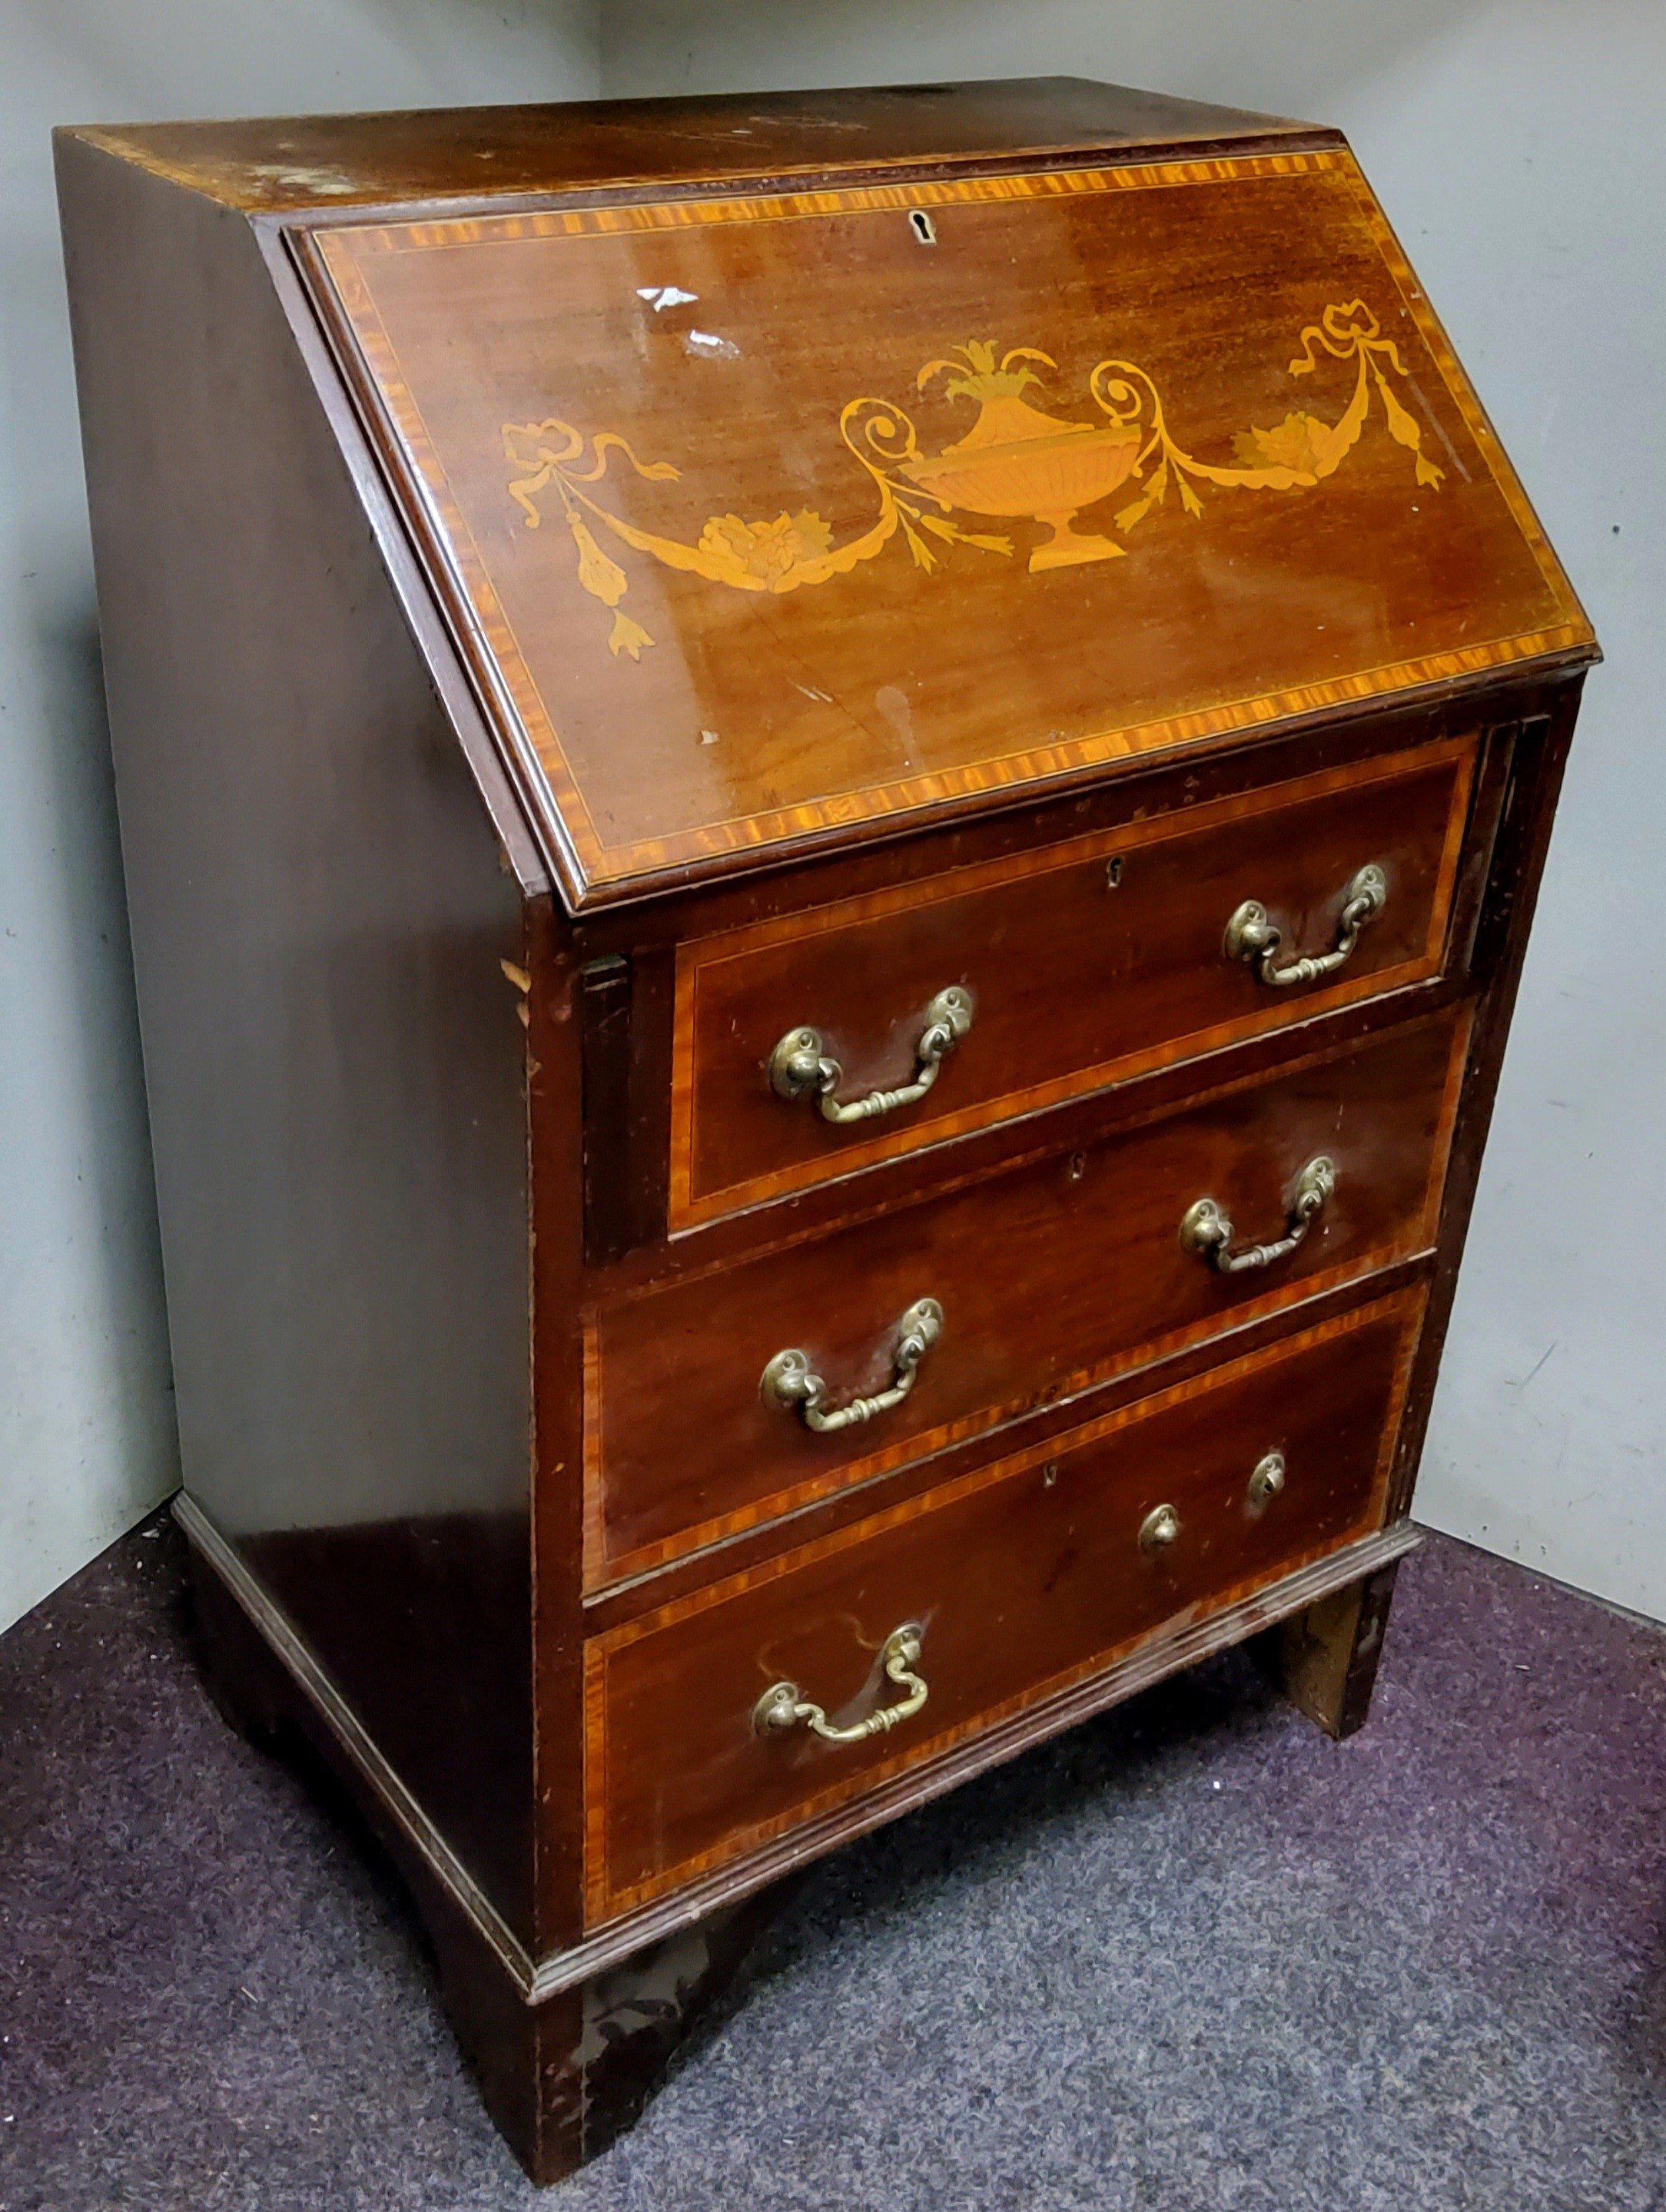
{"x": 798, "y": 1069}
{"x": 1207, "y": 1230}
{"x": 782, "y": 1707}
{"x": 1251, "y": 937}
{"x": 788, "y": 1381}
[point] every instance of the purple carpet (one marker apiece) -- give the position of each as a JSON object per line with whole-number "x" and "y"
{"x": 1193, "y": 1956}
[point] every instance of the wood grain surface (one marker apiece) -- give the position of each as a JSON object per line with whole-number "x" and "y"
{"x": 656, "y": 464}
{"x": 585, "y": 590}
{"x": 1024, "y": 1576}
{"x": 288, "y": 164}
{"x": 1087, "y": 963}
{"x": 1050, "y": 1276}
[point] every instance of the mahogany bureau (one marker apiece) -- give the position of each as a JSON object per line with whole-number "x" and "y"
{"x": 831, "y": 805}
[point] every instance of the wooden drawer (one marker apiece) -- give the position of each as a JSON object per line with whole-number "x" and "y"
{"x": 1051, "y": 1276}
{"x": 1027, "y": 1577}
{"x": 1085, "y": 963}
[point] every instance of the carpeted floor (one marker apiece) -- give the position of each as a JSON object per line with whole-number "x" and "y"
{"x": 1194, "y": 1956}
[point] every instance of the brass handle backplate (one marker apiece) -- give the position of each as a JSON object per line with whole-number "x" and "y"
{"x": 1208, "y": 1233}
{"x": 788, "y": 1381}
{"x": 1265, "y": 1480}
{"x": 1159, "y": 1528}
{"x": 1250, "y": 936}
{"x": 782, "y": 1707}
{"x": 798, "y": 1069}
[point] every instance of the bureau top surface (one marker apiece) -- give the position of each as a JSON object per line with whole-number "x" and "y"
{"x": 774, "y": 514}
{"x": 289, "y": 163}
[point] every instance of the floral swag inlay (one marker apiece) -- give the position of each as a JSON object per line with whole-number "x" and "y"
{"x": 1014, "y": 461}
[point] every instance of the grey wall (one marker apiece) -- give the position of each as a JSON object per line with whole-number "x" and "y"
{"x": 87, "y": 1439}
{"x": 1516, "y": 145}
{"x": 1513, "y": 143}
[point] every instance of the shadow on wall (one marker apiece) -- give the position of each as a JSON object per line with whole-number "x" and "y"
{"x": 1286, "y": 57}
{"x": 86, "y": 1434}
{"x": 208, "y": 58}
{"x": 97, "y": 992}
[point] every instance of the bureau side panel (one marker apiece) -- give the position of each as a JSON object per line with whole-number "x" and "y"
{"x": 1538, "y": 747}
{"x": 335, "y": 1060}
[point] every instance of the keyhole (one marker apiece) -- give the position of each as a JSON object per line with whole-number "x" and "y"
{"x": 1049, "y": 1474}
{"x": 1078, "y": 1166}
{"x": 924, "y": 228}
{"x": 1114, "y": 872}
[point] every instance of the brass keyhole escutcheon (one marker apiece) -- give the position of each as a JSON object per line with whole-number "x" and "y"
{"x": 1159, "y": 1528}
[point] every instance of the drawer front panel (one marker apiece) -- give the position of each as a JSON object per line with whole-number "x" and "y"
{"x": 1024, "y": 1577}
{"x": 1075, "y": 981}
{"x": 1053, "y": 1275}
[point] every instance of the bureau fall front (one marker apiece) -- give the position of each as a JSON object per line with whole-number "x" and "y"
{"x": 830, "y": 807}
